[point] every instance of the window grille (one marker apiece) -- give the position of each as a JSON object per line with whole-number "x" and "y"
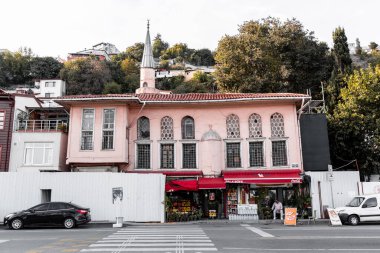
{"x": 233, "y": 126}
{"x": 256, "y": 154}
{"x": 233, "y": 155}
{"x": 277, "y": 125}
{"x": 167, "y": 128}
{"x": 143, "y": 156}
{"x": 189, "y": 156}
{"x": 279, "y": 156}
{"x": 108, "y": 128}
{"x": 87, "y": 129}
{"x": 188, "y": 128}
{"x": 167, "y": 156}
{"x": 143, "y": 128}
{"x": 255, "y": 126}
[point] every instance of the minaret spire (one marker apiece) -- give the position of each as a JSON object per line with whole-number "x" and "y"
{"x": 147, "y": 71}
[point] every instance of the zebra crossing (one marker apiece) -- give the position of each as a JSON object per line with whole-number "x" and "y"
{"x": 168, "y": 239}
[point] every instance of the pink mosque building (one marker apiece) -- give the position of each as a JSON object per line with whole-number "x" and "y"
{"x": 217, "y": 150}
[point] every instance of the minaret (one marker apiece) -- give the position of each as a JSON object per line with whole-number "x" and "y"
{"x": 147, "y": 72}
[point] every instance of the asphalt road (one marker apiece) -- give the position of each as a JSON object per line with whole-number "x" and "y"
{"x": 180, "y": 238}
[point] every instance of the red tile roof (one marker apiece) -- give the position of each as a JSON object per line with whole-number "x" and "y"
{"x": 189, "y": 97}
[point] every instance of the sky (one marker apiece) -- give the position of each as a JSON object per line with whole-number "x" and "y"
{"x": 56, "y": 28}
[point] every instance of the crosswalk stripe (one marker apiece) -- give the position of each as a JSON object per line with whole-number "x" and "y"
{"x": 151, "y": 244}
{"x": 186, "y": 239}
{"x": 148, "y": 249}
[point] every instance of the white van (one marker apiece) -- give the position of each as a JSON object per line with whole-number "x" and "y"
{"x": 360, "y": 209}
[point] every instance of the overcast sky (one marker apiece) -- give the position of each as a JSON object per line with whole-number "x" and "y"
{"x": 56, "y": 28}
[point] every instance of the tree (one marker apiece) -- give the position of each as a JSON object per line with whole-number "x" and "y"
{"x": 135, "y": 51}
{"x": 373, "y": 46}
{"x": 44, "y": 67}
{"x": 270, "y": 56}
{"x": 85, "y": 76}
{"x": 178, "y": 51}
{"x": 354, "y": 125}
{"x": 341, "y": 51}
{"x": 15, "y": 67}
{"x": 159, "y": 46}
{"x": 358, "y": 48}
{"x": 112, "y": 88}
{"x": 202, "y": 57}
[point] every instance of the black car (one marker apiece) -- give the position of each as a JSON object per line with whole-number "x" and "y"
{"x": 52, "y": 213}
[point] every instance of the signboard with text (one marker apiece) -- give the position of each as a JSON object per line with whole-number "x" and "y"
{"x": 334, "y": 217}
{"x": 290, "y": 216}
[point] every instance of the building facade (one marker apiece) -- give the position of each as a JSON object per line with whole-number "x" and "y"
{"x": 6, "y": 124}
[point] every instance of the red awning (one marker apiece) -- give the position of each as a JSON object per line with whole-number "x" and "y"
{"x": 181, "y": 185}
{"x": 280, "y": 176}
{"x": 211, "y": 183}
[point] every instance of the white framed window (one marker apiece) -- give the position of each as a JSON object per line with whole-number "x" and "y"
{"x": 87, "y": 141}
{"x": 167, "y": 132}
{"x": 38, "y": 153}
{"x": 167, "y": 156}
{"x": 233, "y": 155}
{"x": 108, "y": 129}
{"x": 189, "y": 155}
{"x": 255, "y": 126}
{"x": 2, "y": 120}
{"x": 49, "y": 84}
{"x": 143, "y": 156}
{"x": 188, "y": 128}
{"x": 279, "y": 153}
{"x": 256, "y": 154}
{"x": 143, "y": 128}
{"x": 277, "y": 125}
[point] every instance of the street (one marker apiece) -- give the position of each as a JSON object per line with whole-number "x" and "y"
{"x": 176, "y": 238}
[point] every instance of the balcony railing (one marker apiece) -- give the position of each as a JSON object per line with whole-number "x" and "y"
{"x": 41, "y": 126}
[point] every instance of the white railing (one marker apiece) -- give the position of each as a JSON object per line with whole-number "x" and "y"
{"x": 41, "y": 125}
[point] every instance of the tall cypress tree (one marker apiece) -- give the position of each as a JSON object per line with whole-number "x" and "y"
{"x": 341, "y": 52}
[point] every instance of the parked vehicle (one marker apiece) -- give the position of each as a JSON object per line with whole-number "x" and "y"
{"x": 360, "y": 209}
{"x": 52, "y": 213}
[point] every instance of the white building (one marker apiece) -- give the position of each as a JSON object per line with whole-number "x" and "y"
{"x": 39, "y": 138}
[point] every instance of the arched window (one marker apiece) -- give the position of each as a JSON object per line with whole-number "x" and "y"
{"x": 167, "y": 128}
{"x": 143, "y": 128}
{"x": 233, "y": 126}
{"x": 255, "y": 126}
{"x": 188, "y": 128}
{"x": 277, "y": 125}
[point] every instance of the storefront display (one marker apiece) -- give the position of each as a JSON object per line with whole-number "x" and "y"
{"x": 232, "y": 201}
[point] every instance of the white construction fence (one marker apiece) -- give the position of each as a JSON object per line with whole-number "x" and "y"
{"x": 139, "y": 197}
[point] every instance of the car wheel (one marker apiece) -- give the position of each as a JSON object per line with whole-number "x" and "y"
{"x": 353, "y": 220}
{"x": 69, "y": 223}
{"x": 16, "y": 224}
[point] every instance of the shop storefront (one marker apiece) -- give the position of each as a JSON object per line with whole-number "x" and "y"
{"x": 252, "y": 193}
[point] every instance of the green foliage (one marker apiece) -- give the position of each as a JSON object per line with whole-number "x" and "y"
{"x": 135, "y": 52}
{"x": 202, "y": 57}
{"x": 355, "y": 123}
{"x": 373, "y": 46}
{"x": 170, "y": 83}
{"x": 45, "y": 67}
{"x": 358, "y": 48}
{"x": 178, "y": 51}
{"x": 112, "y": 88}
{"x": 159, "y": 46}
{"x": 270, "y": 56}
{"x": 341, "y": 51}
{"x": 85, "y": 76}
{"x": 15, "y": 67}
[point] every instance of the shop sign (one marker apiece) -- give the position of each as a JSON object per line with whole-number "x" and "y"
{"x": 235, "y": 181}
{"x": 334, "y": 217}
{"x": 212, "y": 196}
{"x": 290, "y": 216}
{"x": 117, "y": 195}
{"x": 298, "y": 180}
{"x": 211, "y": 213}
